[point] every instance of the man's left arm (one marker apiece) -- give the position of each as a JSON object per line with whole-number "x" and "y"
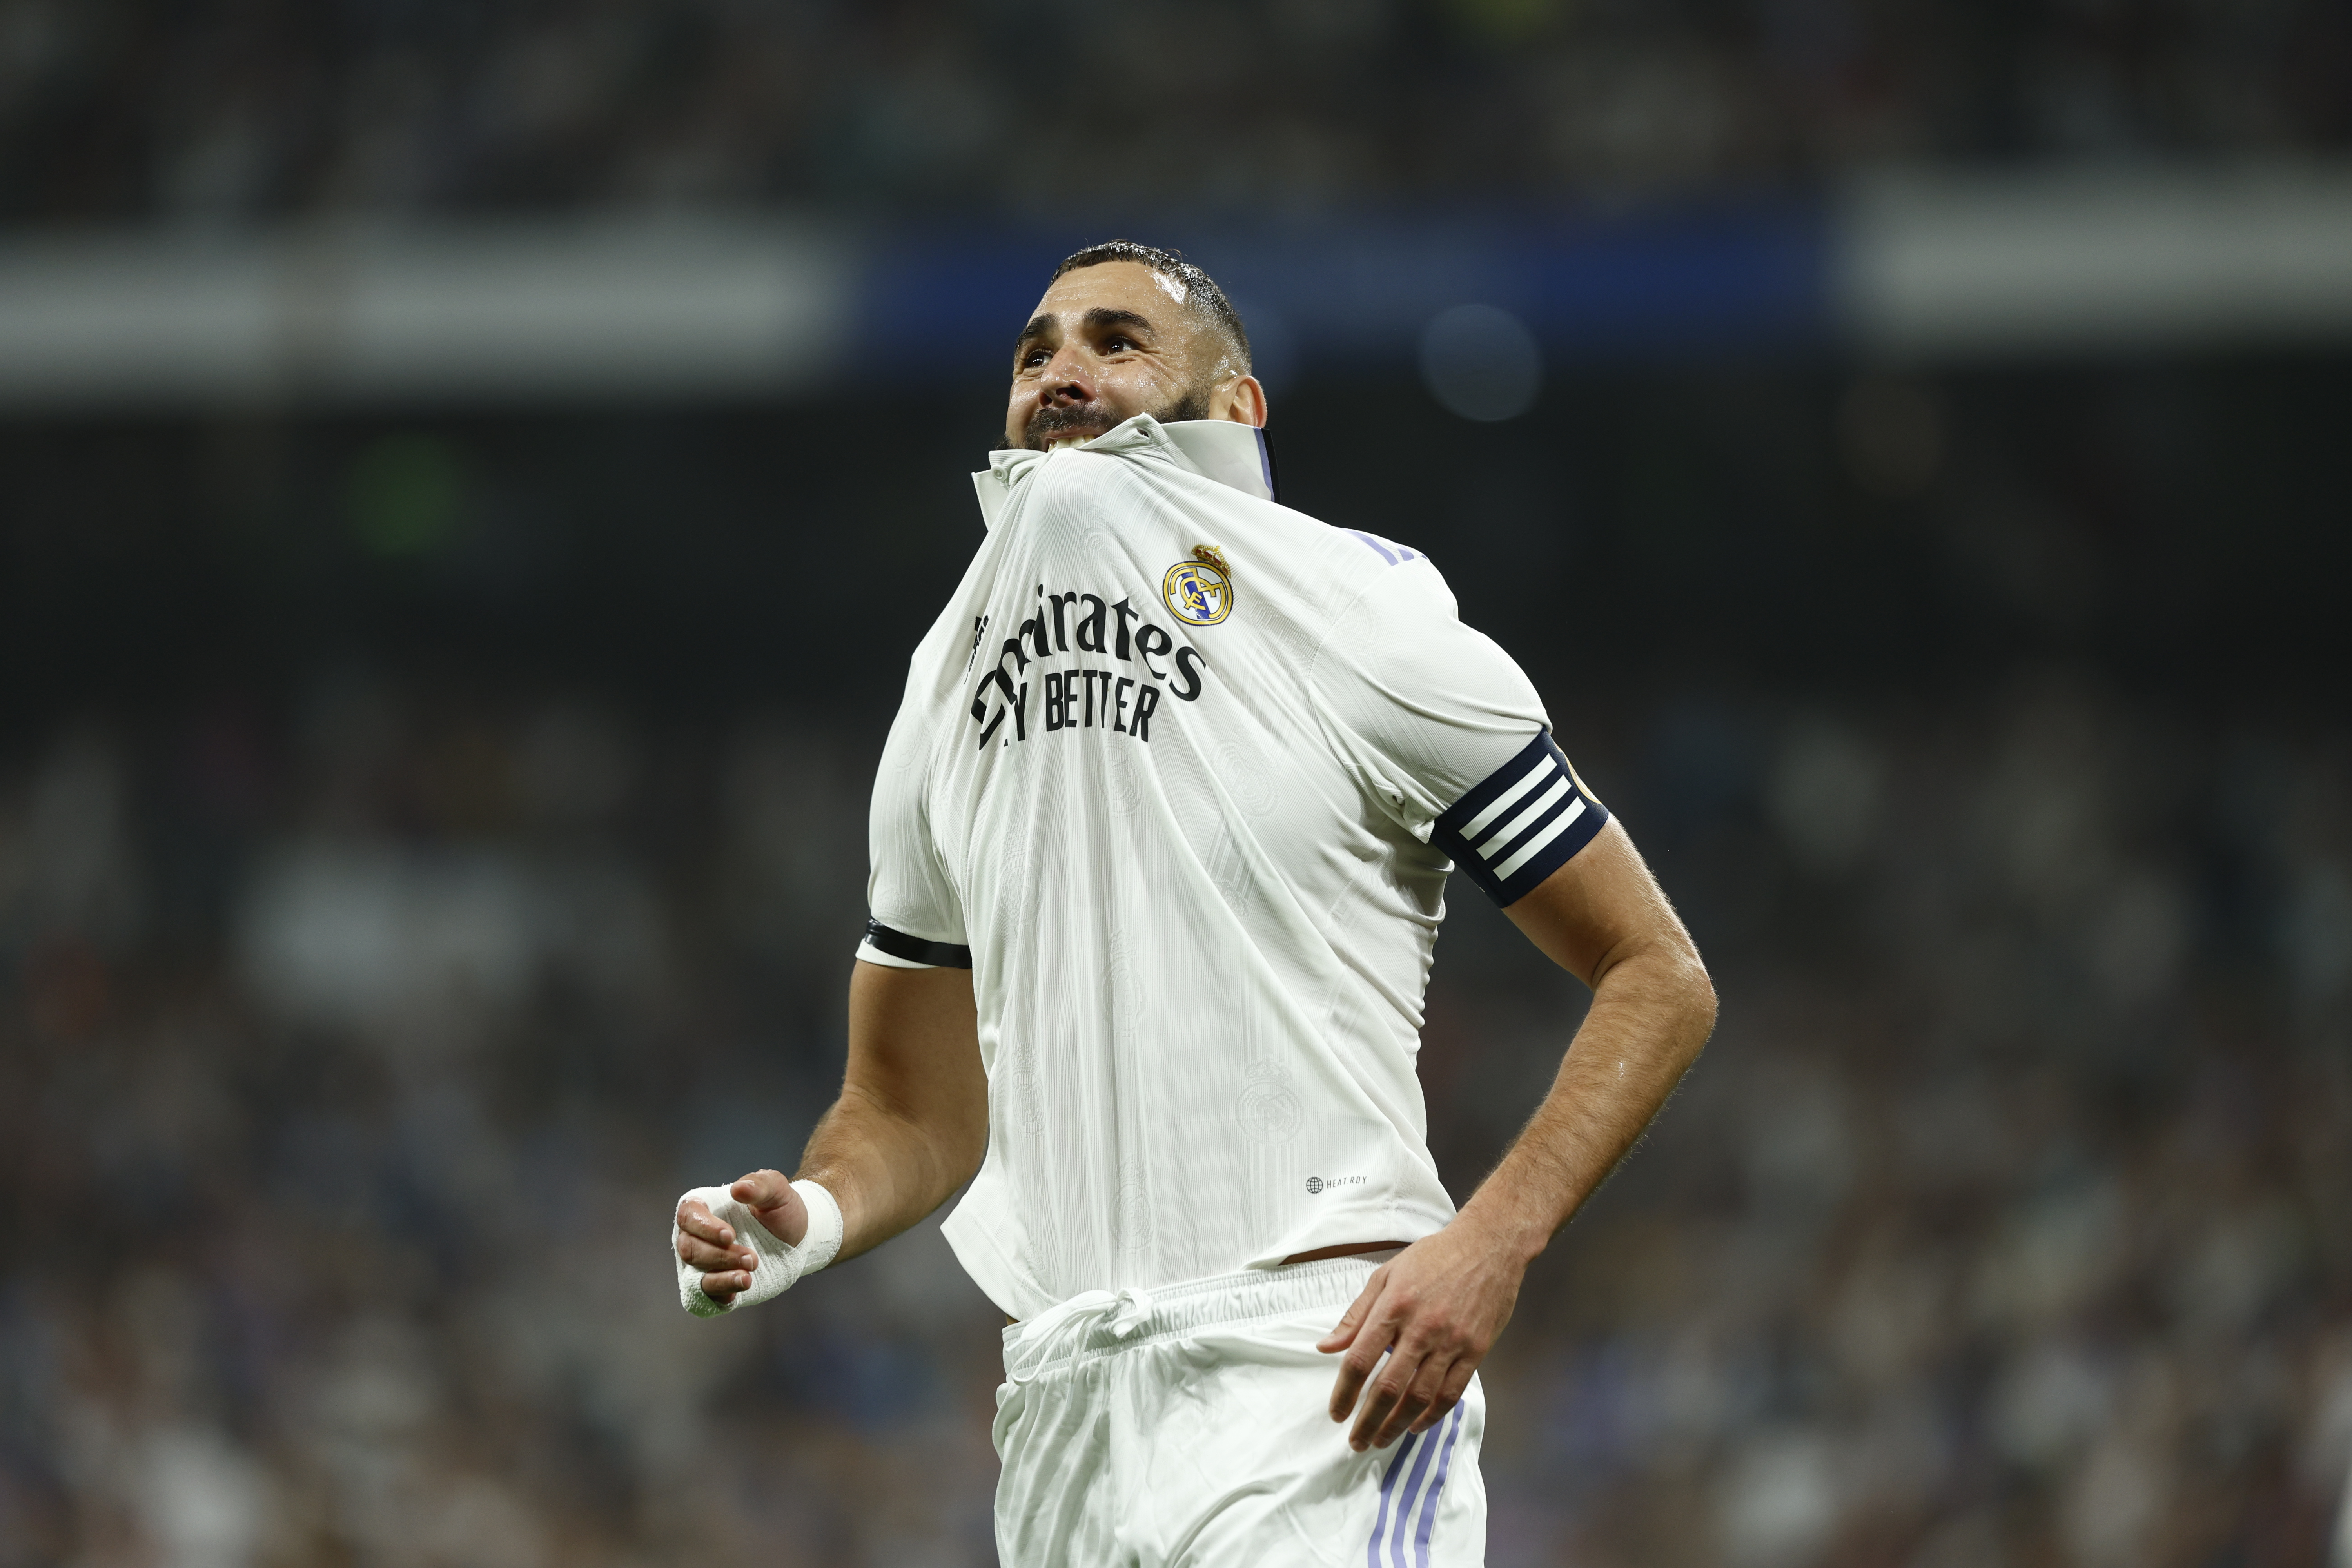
{"x": 1438, "y": 1306}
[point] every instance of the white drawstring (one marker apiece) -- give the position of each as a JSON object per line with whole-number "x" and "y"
{"x": 1041, "y": 1340}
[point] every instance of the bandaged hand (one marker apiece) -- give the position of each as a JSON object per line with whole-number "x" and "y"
{"x": 751, "y": 1241}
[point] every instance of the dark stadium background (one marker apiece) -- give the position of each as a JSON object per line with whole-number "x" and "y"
{"x": 432, "y": 824}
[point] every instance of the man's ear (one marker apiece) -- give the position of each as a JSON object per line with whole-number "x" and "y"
{"x": 1241, "y": 400}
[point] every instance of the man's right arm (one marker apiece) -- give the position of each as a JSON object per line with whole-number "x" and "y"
{"x": 911, "y": 1127}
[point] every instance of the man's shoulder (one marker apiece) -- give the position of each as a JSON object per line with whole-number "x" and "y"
{"x": 1364, "y": 573}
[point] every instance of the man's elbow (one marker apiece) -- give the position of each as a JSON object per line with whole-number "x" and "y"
{"x": 967, "y": 1152}
{"x": 1694, "y": 995}
{"x": 1702, "y": 1004}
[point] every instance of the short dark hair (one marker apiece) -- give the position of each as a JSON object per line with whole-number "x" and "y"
{"x": 1200, "y": 291}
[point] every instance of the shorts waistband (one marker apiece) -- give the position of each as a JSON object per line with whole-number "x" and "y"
{"x": 1100, "y": 1322}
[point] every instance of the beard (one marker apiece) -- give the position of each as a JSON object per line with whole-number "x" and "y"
{"x": 1088, "y": 420}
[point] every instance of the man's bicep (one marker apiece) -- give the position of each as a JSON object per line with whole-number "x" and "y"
{"x": 914, "y": 1051}
{"x": 1596, "y": 908}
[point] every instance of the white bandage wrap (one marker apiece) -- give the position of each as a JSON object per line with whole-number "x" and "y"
{"x": 780, "y": 1267}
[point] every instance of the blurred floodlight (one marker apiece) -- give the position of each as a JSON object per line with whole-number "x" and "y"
{"x": 498, "y": 309}
{"x": 1481, "y": 362}
{"x": 1938, "y": 265}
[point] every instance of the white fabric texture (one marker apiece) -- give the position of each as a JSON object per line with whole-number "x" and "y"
{"x": 1060, "y": 1330}
{"x": 1179, "y": 813}
{"x": 1188, "y": 1428}
{"x": 781, "y": 1265}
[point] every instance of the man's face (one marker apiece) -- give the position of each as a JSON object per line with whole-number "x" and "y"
{"x": 1113, "y": 341}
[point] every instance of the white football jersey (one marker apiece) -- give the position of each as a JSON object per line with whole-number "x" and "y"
{"x": 1180, "y": 773}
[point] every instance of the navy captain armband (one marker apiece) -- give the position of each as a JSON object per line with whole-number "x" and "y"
{"x": 914, "y": 948}
{"x": 1526, "y": 821}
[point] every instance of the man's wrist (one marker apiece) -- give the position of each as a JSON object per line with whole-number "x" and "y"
{"x": 820, "y": 1232}
{"x": 1503, "y": 1228}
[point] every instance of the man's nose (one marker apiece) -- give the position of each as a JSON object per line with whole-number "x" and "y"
{"x": 1068, "y": 378}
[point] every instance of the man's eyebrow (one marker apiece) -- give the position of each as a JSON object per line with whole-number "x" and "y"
{"x": 1037, "y": 327}
{"x": 1102, "y": 316}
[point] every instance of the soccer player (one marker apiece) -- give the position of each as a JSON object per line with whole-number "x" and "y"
{"x": 1160, "y": 841}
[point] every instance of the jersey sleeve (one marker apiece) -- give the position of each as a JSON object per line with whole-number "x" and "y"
{"x": 1448, "y": 731}
{"x": 915, "y": 918}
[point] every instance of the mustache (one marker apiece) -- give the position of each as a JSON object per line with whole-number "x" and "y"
{"x": 1093, "y": 418}
{"x": 1059, "y": 424}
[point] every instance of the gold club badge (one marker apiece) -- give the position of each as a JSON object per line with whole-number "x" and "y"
{"x": 1199, "y": 591}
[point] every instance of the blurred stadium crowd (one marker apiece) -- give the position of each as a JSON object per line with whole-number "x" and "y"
{"x": 112, "y": 109}
{"x": 361, "y": 1044}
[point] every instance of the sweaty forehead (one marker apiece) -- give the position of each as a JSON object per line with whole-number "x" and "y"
{"x": 1119, "y": 286}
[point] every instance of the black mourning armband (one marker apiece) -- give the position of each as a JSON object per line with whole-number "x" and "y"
{"x": 1527, "y": 820}
{"x": 915, "y": 950}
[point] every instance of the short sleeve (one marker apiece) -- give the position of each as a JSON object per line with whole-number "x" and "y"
{"x": 914, "y": 918}
{"x": 1448, "y": 729}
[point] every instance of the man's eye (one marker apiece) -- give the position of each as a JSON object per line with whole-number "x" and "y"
{"x": 1113, "y": 345}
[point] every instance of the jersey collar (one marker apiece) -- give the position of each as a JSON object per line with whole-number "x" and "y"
{"x": 1220, "y": 449}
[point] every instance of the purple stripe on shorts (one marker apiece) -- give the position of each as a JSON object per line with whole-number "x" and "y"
{"x": 1388, "y": 1489}
{"x": 1404, "y": 1514}
{"x": 1429, "y": 1499}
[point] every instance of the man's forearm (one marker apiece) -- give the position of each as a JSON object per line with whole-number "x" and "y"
{"x": 1650, "y": 1016}
{"x": 1434, "y": 1309}
{"x": 885, "y": 1170}
{"x": 911, "y": 1124}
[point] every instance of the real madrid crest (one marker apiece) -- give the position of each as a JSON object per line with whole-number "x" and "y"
{"x": 1199, "y": 591}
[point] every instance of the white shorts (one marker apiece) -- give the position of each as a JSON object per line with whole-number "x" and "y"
{"x": 1188, "y": 1427}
